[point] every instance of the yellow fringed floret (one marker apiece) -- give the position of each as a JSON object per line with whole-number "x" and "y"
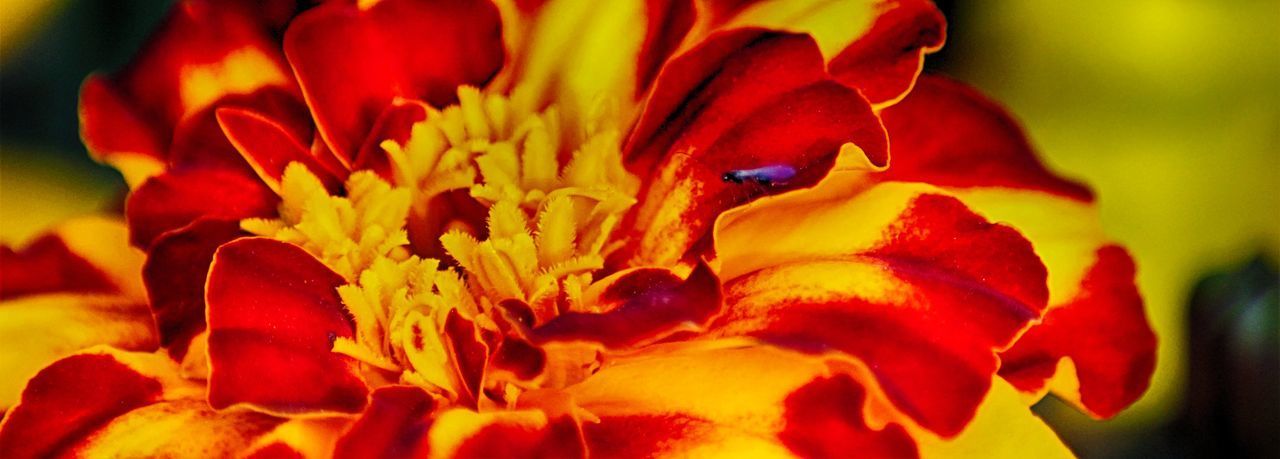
{"x": 346, "y": 233}
{"x": 398, "y": 301}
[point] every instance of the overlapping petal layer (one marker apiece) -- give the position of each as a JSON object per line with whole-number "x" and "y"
{"x": 126, "y": 405}
{"x": 202, "y": 52}
{"x": 948, "y": 134}
{"x": 353, "y": 58}
{"x": 70, "y": 289}
{"x": 912, "y": 282}
{"x": 741, "y": 100}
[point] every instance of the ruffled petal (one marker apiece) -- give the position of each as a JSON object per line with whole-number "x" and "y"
{"x": 108, "y": 403}
{"x": 177, "y": 198}
{"x": 394, "y": 424}
{"x": 353, "y": 59}
{"x": 639, "y": 306}
{"x": 747, "y": 113}
{"x": 884, "y": 62}
{"x": 907, "y": 280}
{"x": 1102, "y": 332}
{"x": 950, "y": 135}
{"x": 175, "y": 272}
{"x": 273, "y": 314}
{"x": 728, "y": 399}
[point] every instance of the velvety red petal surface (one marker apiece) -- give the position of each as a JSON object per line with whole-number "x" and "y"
{"x": 825, "y": 419}
{"x": 561, "y": 438}
{"x": 394, "y": 424}
{"x": 884, "y": 62}
{"x": 644, "y": 304}
{"x": 668, "y": 23}
{"x": 935, "y": 300}
{"x": 948, "y": 134}
{"x": 175, "y": 272}
{"x": 177, "y": 198}
{"x": 47, "y": 265}
{"x": 269, "y": 145}
{"x": 1103, "y": 331}
{"x": 273, "y": 313}
{"x": 351, "y": 62}
{"x": 741, "y": 100}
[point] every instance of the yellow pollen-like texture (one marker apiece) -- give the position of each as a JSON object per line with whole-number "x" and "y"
{"x": 553, "y": 200}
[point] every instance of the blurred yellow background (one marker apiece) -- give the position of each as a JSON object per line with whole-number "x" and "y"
{"x": 1170, "y": 109}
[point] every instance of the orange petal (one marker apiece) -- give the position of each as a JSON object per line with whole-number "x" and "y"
{"x": 176, "y": 198}
{"x": 727, "y": 398}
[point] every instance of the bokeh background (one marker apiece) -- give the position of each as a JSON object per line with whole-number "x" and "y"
{"x": 1169, "y": 108}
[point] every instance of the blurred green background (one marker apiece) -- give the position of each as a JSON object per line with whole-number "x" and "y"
{"x": 1169, "y": 108}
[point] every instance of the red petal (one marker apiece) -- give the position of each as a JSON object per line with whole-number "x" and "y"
{"x": 646, "y": 304}
{"x": 109, "y": 125}
{"x": 468, "y": 350}
{"x": 69, "y": 398}
{"x": 273, "y": 313}
{"x": 177, "y": 198}
{"x": 1103, "y": 331}
{"x": 269, "y": 146}
{"x": 668, "y": 23}
{"x": 47, "y": 265}
{"x": 743, "y": 99}
{"x": 352, "y": 62}
{"x": 203, "y": 51}
{"x": 560, "y": 438}
{"x": 934, "y": 301}
{"x": 948, "y": 134}
{"x": 395, "y": 124}
{"x": 394, "y": 425}
{"x": 883, "y": 64}
{"x": 175, "y": 272}
{"x": 825, "y": 419}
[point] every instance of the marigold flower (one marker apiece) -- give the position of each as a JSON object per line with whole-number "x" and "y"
{"x": 563, "y": 228}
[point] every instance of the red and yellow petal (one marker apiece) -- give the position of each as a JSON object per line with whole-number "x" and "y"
{"x": 268, "y": 145}
{"x": 909, "y": 281}
{"x": 273, "y": 314}
{"x": 108, "y": 403}
{"x": 640, "y": 306}
{"x": 727, "y": 399}
{"x": 202, "y": 52}
{"x": 73, "y": 288}
{"x": 746, "y": 100}
{"x": 884, "y": 62}
{"x": 950, "y": 135}
{"x": 353, "y": 59}
{"x": 1103, "y": 332}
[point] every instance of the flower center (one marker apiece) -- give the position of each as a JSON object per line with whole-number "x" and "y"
{"x": 551, "y": 211}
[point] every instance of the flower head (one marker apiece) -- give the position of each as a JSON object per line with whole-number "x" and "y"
{"x": 570, "y": 228}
